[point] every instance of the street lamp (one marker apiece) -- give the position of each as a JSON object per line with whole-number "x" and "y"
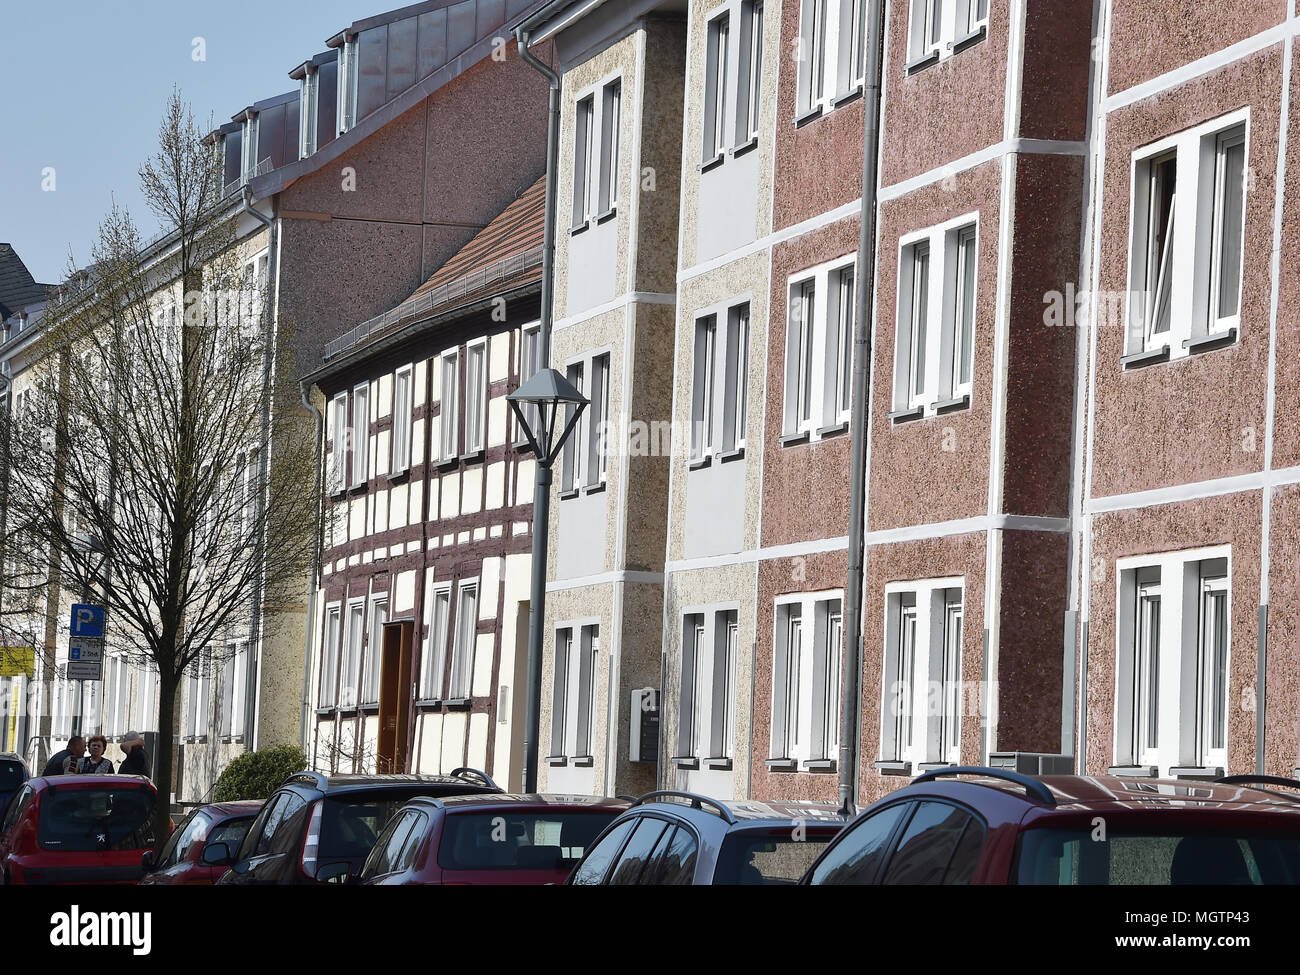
{"x": 547, "y": 392}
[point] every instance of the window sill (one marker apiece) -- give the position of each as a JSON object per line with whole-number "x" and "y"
{"x": 722, "y": 764}
{"x": 232, "y": 739}
{"x": 736, "y": 453}
{"x": 1208, "y": 343}
{"x": 744, "y": 147}
{"x": 713, "y": 162}
{"x": 594, "y": 488}
{"x": 781, "y": 764}
{"x": 1137, "y": 360}
{"x": 321, "y": 712}
{"x": 811, "y": 115}
{"x": 399, "y": 476}
{"x": 792, "y": 439}
{"x": 579, "y": 228}
{"x": 569, "y": 493}
{"x": 830, "y": 431}
{"x": 1198, "y": 772}
{"x": 971, "y": 39}
{"x": 582, "y": 761}
{"x": 893, "y": 767}
{"x": 446, "y": 463}
{"x": 428, "y": 704}
{"x": 699, "y": 463}
{"x": 1133, "y": 771}
{"x": 912, "y": 67}
{"x": 456, "y": 704}
{"x": 952, "y": 405}
{"x": 473, "y": 457}
{"x": 358, "y": 488}
{"x": 820, "y": 765}
{"x": 369, "y": 708}
{"x": 607, "y": 215}
{"x": 685, "y": 761}
{"x": 845, "y": 97}
{"x": 924, "y": 767}
{"x": 556, "y": 761}
{"x": 903, "y": 416}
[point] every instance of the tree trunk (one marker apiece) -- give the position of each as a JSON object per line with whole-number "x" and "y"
{"x": 164, "y": 762}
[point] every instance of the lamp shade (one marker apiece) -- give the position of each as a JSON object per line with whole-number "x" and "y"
{"x": 546, "y": 392}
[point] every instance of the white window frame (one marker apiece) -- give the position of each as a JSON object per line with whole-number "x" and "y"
{"x": 348, "y": 73}
{"x": 1184, "y": 725}
{"x": 922, "y": 688}
{"x": 146, "y": 697}
{"x": 805, "y": 727}
{"x": 308, "y": 108}
{"x": 476, "y": 396}
{"x": 1194, "y": 245}
{"x": 596, "y": 151}
{"x": 720, "y": 380}
{"x": 707, "y": 684}
{"x": 718, "y": 74}
{"x": 530, "y": 351}
{"x": 434, "y": 658}
{"x": 372, "y": 656}
{"x": 360, "y": 438}
{"x": 585, "y": 456}
{"x": 573, "y": 689}
{"x": 611, "y": 107}
{"x": 403, "y": 379}
{"x": 812, "y": 353}
{"x": 831, "y": 54}
{"x": 928, "y": 378}
{"x": 249, "y": 146}
{"x": 350, "y": 671}
{"x": 464, "y": 641}
{"x": 937, "y": 29}
{"x": 449, "y": 404}
{"x": 342, "y": 436}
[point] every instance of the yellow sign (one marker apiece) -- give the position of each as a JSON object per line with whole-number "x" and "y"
{"x": 17, "y": 661}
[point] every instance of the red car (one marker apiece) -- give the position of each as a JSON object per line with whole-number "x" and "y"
{"x": 181, "y": 860}
{"x": 77, "y": 829}
{"x": 487, "y": 839}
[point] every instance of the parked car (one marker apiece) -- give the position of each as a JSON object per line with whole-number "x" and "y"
{"x": 180, "y": 860}
{"x": 77, "y": 829}
{"x": 315, "y": 820}
{"x": 13, "y": 773}
{"x": 970, "y": 825}
{"x": 490, "y": 839}
{"x": 679, "y": 838}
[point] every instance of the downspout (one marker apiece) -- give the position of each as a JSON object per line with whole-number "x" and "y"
{"x": 850, "y": 720}
{"x": 263, "y": 475}
{"x": 542, "y": 493}
{"x": 314, "y": 573}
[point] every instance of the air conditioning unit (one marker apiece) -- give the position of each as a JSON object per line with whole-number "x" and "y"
{"x": 1033, "y": 763}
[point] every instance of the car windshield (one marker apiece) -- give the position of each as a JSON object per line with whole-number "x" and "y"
{"x": 770, "y": 856}
{"x": 1163, "y": 857}
{"x": 509, "y": 840}
{"x": 182, "y": 839}
{"x": 11, "y": 775}
{"x": 103, "y": 818}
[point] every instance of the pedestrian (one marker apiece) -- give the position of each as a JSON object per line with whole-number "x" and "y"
{"x": 137, "y": 760}
{"x": 64, "y": 762}
{"x": 95, "y": 763}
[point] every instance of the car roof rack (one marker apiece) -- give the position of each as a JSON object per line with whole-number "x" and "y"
{"x": 1036, "y": 789}
{"x": 317, "y": 780}
{"x": 697, "y": 802}
{"x": 1256, "y": 781}
{"x": 465, "y": 772}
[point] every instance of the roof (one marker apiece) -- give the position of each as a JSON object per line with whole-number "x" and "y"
{"x": 363, "y": 783}
{"x": 238, "y": 807}
{"x": 523, "y": 801}
{"x": 18, "y": 288}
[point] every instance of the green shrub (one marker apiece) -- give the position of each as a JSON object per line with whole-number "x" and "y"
{"x": 255, "y": 775}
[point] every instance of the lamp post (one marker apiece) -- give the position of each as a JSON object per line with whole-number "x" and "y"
{"x": 547, "y": 392}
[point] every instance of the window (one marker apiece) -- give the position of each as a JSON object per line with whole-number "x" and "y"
{"x": 715, "y": 92}
{"x": 374, "y": 652}
{"x": 401, "y": 420}
{"x": 749, "y": 88}
{"x": 475, "y": 396}
{"x": 339, "y": 448}
{"x": 940, "y": 28}
{"x": 595, "y": 153}
{"x": 329, "y": 659}
{"x": 707, "y": 710}
{"x": 248, "y": 480}
{"x": 348, "y": 74}
{"x": 435, "y": 646}
{"x": 1185, "y": 266}
{"x": 574, "y": 446}
{"x": 200, "y": 687}
{"x": 530, "y": 361}
{"x": 447, "y": 441}
{"x": 923, "y": 688}
{"x": 819, "y": 352}
{"x": 146, "y": 697}
{"x": 571, "y": 700}
{"x": 462, "y": 657}
{"x": 1172, "y": 676}
{"x": 595, "y": 420}
{"x": 936, "y": 319}
{"x": 806, "y": 681}
{"x": 248, "y": 161}
{"x": 310, "y": 99}
{"x": 233, "y": 683}
{"x": 351, "y": 672}
{"x": 360, "y": 433}
{"x": 719, "y": 384}
{"x": 832, "y": 42}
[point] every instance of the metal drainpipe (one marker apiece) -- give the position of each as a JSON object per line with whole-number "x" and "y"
{"x": 850, "y": 724}
{"x": 263, "y": 474}
{"x": 314, "y": 573}
{"x": 542, "y": 492}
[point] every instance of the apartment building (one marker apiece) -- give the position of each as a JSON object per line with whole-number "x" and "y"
{"x": 420, "y": 661}
{"x": 622, "y": 75}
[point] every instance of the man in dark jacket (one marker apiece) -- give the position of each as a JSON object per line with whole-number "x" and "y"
{"x": 65, "y": 762}
{"x": 137, "y": 760}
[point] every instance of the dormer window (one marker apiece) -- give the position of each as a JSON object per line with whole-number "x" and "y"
{"x": 347, "y": 84}
{"x": 248, "y": 168}
{"x": 310, "y": 99}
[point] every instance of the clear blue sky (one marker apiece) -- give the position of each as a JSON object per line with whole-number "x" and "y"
{"x": 83, "y": 84}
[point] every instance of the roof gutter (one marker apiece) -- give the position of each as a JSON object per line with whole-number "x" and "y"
{"x": 850, "y": 712}
{"x": 314, "y": 574}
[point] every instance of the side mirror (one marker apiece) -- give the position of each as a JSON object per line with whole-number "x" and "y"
{"x": 146, "y": 861}
{"x": 216, "y": 855}
{"x": 339, "y": 872}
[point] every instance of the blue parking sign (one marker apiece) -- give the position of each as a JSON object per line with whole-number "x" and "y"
{"x": 87, "y": 620}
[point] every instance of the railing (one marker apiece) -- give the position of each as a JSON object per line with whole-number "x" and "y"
{"x": 413, "y": 308}
{"x": 261, "y": 169}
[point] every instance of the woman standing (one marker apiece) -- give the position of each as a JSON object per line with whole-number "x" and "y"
{"x": 137, "y": 760}
{"x": 95, "y": 763}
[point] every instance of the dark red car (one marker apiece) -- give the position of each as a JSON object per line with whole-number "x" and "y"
{"x": 487, "y": 839}
{"x": 77, "y": 829}
{"x": 993, "y": 826}
{"x": 181, "y": 859}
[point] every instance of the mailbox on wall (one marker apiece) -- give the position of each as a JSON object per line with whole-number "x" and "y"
{"x": 644, "y": 725}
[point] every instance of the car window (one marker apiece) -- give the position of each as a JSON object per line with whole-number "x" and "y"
{"x": 11, "y": 775}
{"x": 95, "y": 819}
{"x": 264, "y": 827}
{"x": 388, "y": 847}
{"x": 770, "y": 855}
{"x": 638, "y": 850}
{"x": 351, "y": 824}
{"x": 967, "y": 855}
{"x": 927, "y": 845}
{"x": 592, "y": 869}
{"x": 289, "y": 831}
{"x": 182, "y": 840}
{"x": 858, "y": 852}
{"x": 231, "y": 832}
{"x": 15, "y": 809}
{"x": 673, "y": 862}
{"x": 406, "y": 857}
{"x": 503, "y": 839}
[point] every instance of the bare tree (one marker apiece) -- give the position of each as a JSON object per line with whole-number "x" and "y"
{"x": 160, "y": 460}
